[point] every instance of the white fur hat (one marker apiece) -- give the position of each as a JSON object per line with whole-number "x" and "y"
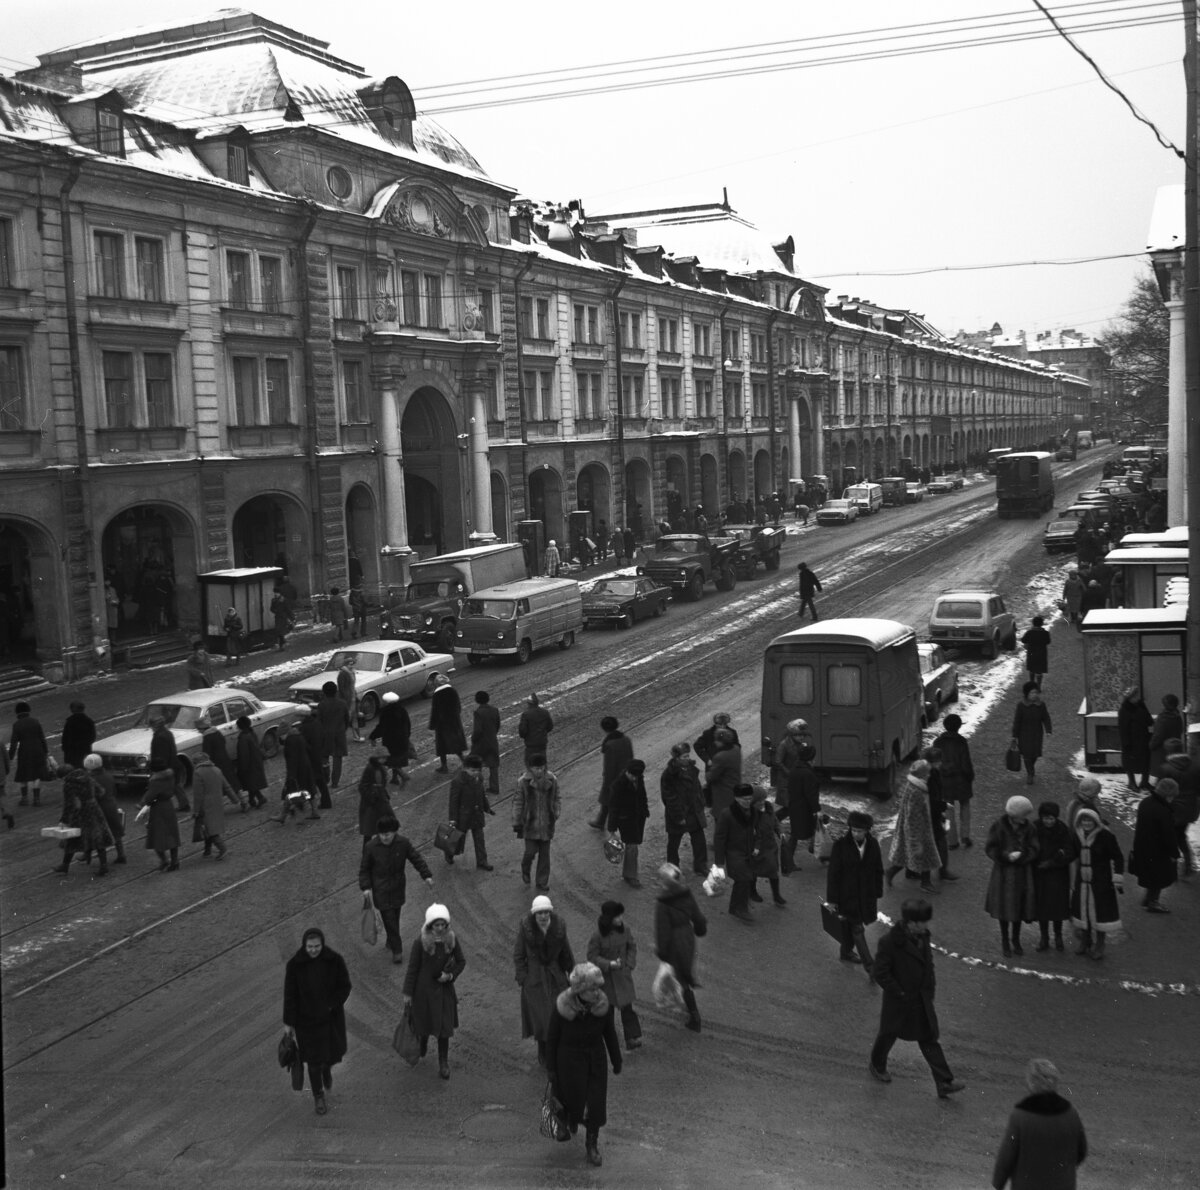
{"x": 437, "y": 913}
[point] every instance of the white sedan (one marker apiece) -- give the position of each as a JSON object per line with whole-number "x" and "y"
{"x": 127, "y": 754}
{"x": 837, "y": 512}
{"x": 380, "y": 667}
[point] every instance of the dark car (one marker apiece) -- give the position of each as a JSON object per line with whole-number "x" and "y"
{"x": 623, "y": 601}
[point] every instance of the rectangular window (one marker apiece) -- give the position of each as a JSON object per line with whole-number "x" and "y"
{"x": 151, "y": 281}
{"x": 539, "y": 396}
{"x": 704, "y": 398}
{"x": 245, "y": 389}
{"x": 672, "y": 405}
{"x": 633, "y": 396}
{"x": 160, "y": 389}
{"x": 731, "y": 344}
{"x": 347, "y": 292}
{"x": 110, "y": 132}
{"x": 733, "y": 400}
{"x": 354, "y": 392}
{"x": 110, "y": 264}
{"x": 410, "y": 292}
{"x": 758, "y": 395}
{"x": 796, "y": 685}
{"x": 487, "y": 306}
{"x": 543, "y": 318}
{"x": 118, "y": 389}
{"x": 270, "y": 276}
{"x": 631, "y": 330}
{"x": 279, "y": 393}
{"x": 237, "y": 267}
{"x": 494, "y": 396}
{"x": 702, "y": 339}
{"x": 433, "y": 301}
{"x": 8, "y": 266}
{"x": 525, "y": 315}
{"x": 12, "y": 389}
{"x": 587, "y": 323}
{"x": 758, "y": 348}
{"x": 668, "y": 335}
{"x": 237, "y": 164}
{"x": 844, "y": 685}
{"x": 589, "y": 387}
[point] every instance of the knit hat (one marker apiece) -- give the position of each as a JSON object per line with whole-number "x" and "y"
{"x": 1089, "y": 789}
{"x": 858, "y": 820}
{"x": 585, "y": 976}
{"x": 93, "y": 761}
{"x": 1018, "y": 807}
{"x": 796, "y": 726}
{"x": 541, "y": 905}
{"x": 678, "y": 750}
{"x": 1041, "y": 1075}
{"x": 391, "y": 696}
{"x": 437, "y": 913}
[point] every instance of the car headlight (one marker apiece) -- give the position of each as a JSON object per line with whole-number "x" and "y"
{"x": 428, "y": 620}
{"x": 143, "y": 762}
{"x": 460, "y": 634}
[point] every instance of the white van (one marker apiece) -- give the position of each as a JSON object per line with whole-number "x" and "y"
{"x": 867, "y": 496}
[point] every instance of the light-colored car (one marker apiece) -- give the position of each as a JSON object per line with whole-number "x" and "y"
{"x": 972, "y": 618}
{"x": 939, "y": 678}
{"x": 837, "y": 512}
{"x": 944, "y": 483}
{"x": 127, "y": 754}
{"x": 381, "y": 667}
{"x": 914, "y": 493}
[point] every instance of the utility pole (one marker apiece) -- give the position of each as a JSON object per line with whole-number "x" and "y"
{"x": 1191, "y": 305}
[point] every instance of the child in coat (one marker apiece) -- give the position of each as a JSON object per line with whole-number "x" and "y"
{"x": 614, "y": 951}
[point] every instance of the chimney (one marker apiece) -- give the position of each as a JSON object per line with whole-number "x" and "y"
{"x": 520, "y": 224}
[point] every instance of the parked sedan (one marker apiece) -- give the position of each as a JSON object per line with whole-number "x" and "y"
{"x": 837, "y": 512}
{"x": 944, "y": 483}
{"x": 381, "y": 667}
{"x": 1059, "y": 535}
{"x": 624, "y": 601}
{"x": 127, "y": 754}
{"x": 914, "y": 493}
{"x": 939, "y": 678}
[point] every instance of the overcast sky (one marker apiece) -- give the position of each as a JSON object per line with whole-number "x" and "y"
{"x": 935, "y": 161}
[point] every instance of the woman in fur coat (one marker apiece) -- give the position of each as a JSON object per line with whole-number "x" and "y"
{"x": 614, "y": 951}
{"x": 913, "y": 845}
{"x": 445, "y": 720}
{"x": 1012, "y": 847}
{"x": 542, "y": 959}
{"x": 433, "y": 966}
{"x": 1097, "y": 876}
{"x": 581, "y": 1029}
{"x": 1052, "y": 873}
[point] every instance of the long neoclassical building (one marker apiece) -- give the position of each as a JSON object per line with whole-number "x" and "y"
{"x": 255, "y": 309}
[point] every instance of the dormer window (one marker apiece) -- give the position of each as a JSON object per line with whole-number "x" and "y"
{"x": 110, "y": 132}
{"x": 237, "y": 164}
{"x": 389, "y": 103}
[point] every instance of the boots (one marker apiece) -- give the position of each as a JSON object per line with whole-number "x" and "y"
{"x": 1098, "y": 946}
{"x": 776, "y": 895}
{"x": 1084, "y": 940}
{"x": 592, "y": 1148}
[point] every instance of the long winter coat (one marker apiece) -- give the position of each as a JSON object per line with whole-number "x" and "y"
{"x": 746, "y": 842}
{"x": 1010, "y": 893}
{"x": 1052, "y": 871}
{"x": 913, "y": 843}
{"x": 682, "y": 798}
{"x": 80, "y": 808}
{"x": 213, "y": 745}
{"x": 393, "y": 729}
{"x": 1168, "y": 725}
{"x": 162, "y": 826}
{"x": 333, "y": 715}
{"x": 579, "y": 1033}
{"x": 724, "y": 772}
{"x": 1037, "y": 650}
{"x": 1073, "y": 596}
{"x": 854, "y": 880}
{"x": 78, "y": 736}
{"x": 1155, "y": 854}
{"x": 381, "y": 871}
{"x": 616, "y": 751}
{"x": 250, "y": 763}
{"x": 164, "y": 748}
{"x": 1043, "y": 1145}
{"x": 705, "y": 745}
{"x": 803, "y": 799}
{"x": 958, "y": 773}
{"x": 1031, "y": 722}
{"x": 485, "y": 734}
{"x": 534, "y": 727}
{"x": 606, "y": 945}
{"x": 904, "y": 970}
{"x": 678, "y": 922}
{"x": 541, "y": 964}
{"x": 1134, "y": 724}
{"x": 299, "y": 773}
{"x": 105, "y": 792}
{"x": 373, "y": 801}
{"x": 537, "y": 806}
{"x": 209, "y": 792}
{"x": 28, "y": 748}
{"x": 434, "y": 1001}
{"x": 468, "y": 797}
{"x": 1094, "y": 904}
{"x": 628, "y": 808}
{"x": 445, "y": 721}
{"x": 314, "y": 995}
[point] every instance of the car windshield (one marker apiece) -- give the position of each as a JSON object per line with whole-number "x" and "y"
{"x": 492, "y": 609}
{"x": 174, "y": 715}
{"x": 675, "y": 546}
{"x": 837, "y": 504}
{"x": 620, "y": 587}
{"x": 441, "y": 589}
{"x": 366, "y": 662}
{"x": 959, "y": 609}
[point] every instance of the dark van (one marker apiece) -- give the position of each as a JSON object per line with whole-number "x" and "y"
{"x": 857, "y": 683}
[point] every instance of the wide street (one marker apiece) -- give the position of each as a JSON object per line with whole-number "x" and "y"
{"x": 141, "y": 1013}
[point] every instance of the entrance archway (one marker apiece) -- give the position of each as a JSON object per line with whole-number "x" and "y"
{"x": 29, "y": 595}
{"x": 678, "y": 499}
{"x": 710, "y": 494}
{"x": 433, "y": 488}
{"x": 362, "y": 543}
{"x": 593, "y": 495}
{"x": 763, "y": 486}
{"x": 499, "y": 507}
{"x": 545, "y": 503}
{"x": 272, "y": 530}
{"x": 149, "y": 556}
{"x": 639, "y": 507}
{"x": 737, "y": 476}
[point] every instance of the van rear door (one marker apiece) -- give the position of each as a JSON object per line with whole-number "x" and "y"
{"x": 844, "y": 726}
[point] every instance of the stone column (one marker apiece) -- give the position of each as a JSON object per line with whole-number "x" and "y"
{"x": 481, "y": 472}
{"x": 793, "y": 403}
{"x": 1177, "y": 464}
{"x": 395, "y": 514}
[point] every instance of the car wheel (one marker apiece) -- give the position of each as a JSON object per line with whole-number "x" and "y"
{"x": 695, "y": 587}
{"x": 445, "y": 637}
{"x": 270, "y": 744}
{"x": 953, "y": 697}
{"x": 990, "y": 648}
{"x": 626, "y": 621}
{"x": 567, "y": 641}
{"x": 473, "y": 660}
{"x": 726, "y": 579}
{"x": 368, "y": 707}
{"x": 1010, "y": 641}
{"x": 524, "y": 652}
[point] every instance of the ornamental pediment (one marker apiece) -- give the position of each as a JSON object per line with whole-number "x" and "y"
{"x": 423, "y": 208}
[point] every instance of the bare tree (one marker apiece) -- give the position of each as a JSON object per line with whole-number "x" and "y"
{"x": 1139, "y": 344}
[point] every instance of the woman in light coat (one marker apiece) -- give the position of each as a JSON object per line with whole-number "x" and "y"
{"x": 209, "y": 791}
{"x": 434, "y": 963}
{"x": 1097, "y": 877}
{"x": 914, "y": 846}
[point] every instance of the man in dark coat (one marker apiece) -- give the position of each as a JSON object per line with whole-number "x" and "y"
{"x": 78, "y": 736}
{"x": 199, "y": 667}
{"x": 616, "y": 751}
{"x": 1168, "y": 728}
{"x": 803, "y": 803}
{"x": 1155, "y": 853}
{"x": 445, "y": 720}
{"x": 299, "y": 774}
{"x": 736, "y": 844}
{"x": 534, "y": 728}
{"x": 485, "y": 737}
{"x": 809, "y": 586}
{"x": 628, "y": 809}
{"x": 1044, "y": 1143}
{"x": 683, "y": 807}
{"x": 312, "y": 731}
{"x": 904, "y": 970}
{"x": 250, "y": 763}
{"x": 854, "y": 884}
{"x": 212, "y": 743}
{"x": 469, "y": 809}
{"x": 332, "y": 713}
{"x": 678, "y": 922}
{"x": 29, "y": 753}
{"x": 1037, "y": 650}
{"x": 393, "y": 729}
{"x": 316, "y": 986}
{"x": 164, "y": 748}
{"x": 705, "y": 745}
{"x": 958, "y": 780}
{"x": 381, "y": 876}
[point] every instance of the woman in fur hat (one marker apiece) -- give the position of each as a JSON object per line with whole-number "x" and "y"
{"x": 581, "y": 1029}
{"x": 1012, "y": 846}
{"x": 542, "y": 959}
{"x": 393, "y": 730}
{"x": 1097, "y": 876}
{"x": 613, "y": 949}
{"x": 1052, "y": 874}
{"x": 433, "y": 966}
{"x": 913, "y": 844}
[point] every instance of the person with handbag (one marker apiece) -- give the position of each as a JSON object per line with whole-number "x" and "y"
{"x": 853, "y": 886}
{"x": 958, "y": 781}
{"x": 162, "y": 825}
{"x": 468, "y": 810}
{"x": 29, "y": 752}
{"x": 81, "y": 810}
{"x": 393, "y": 729}
{"x": 628, "y": 809}
{"x": 678, "y": 922}
{"x": 683, "y": 807}
{"x": 250, "y": 765}
{"x": 316, "y": 986}
{"x": 381, "y": 876}
{"x": 616, "y": 751}
{"x": 542, "y": 959}
{"x": 434, "y": 963}
{"x": 298, "y": 775}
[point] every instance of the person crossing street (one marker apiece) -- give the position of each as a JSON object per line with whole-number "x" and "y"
{"x": 809, "y": 586}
